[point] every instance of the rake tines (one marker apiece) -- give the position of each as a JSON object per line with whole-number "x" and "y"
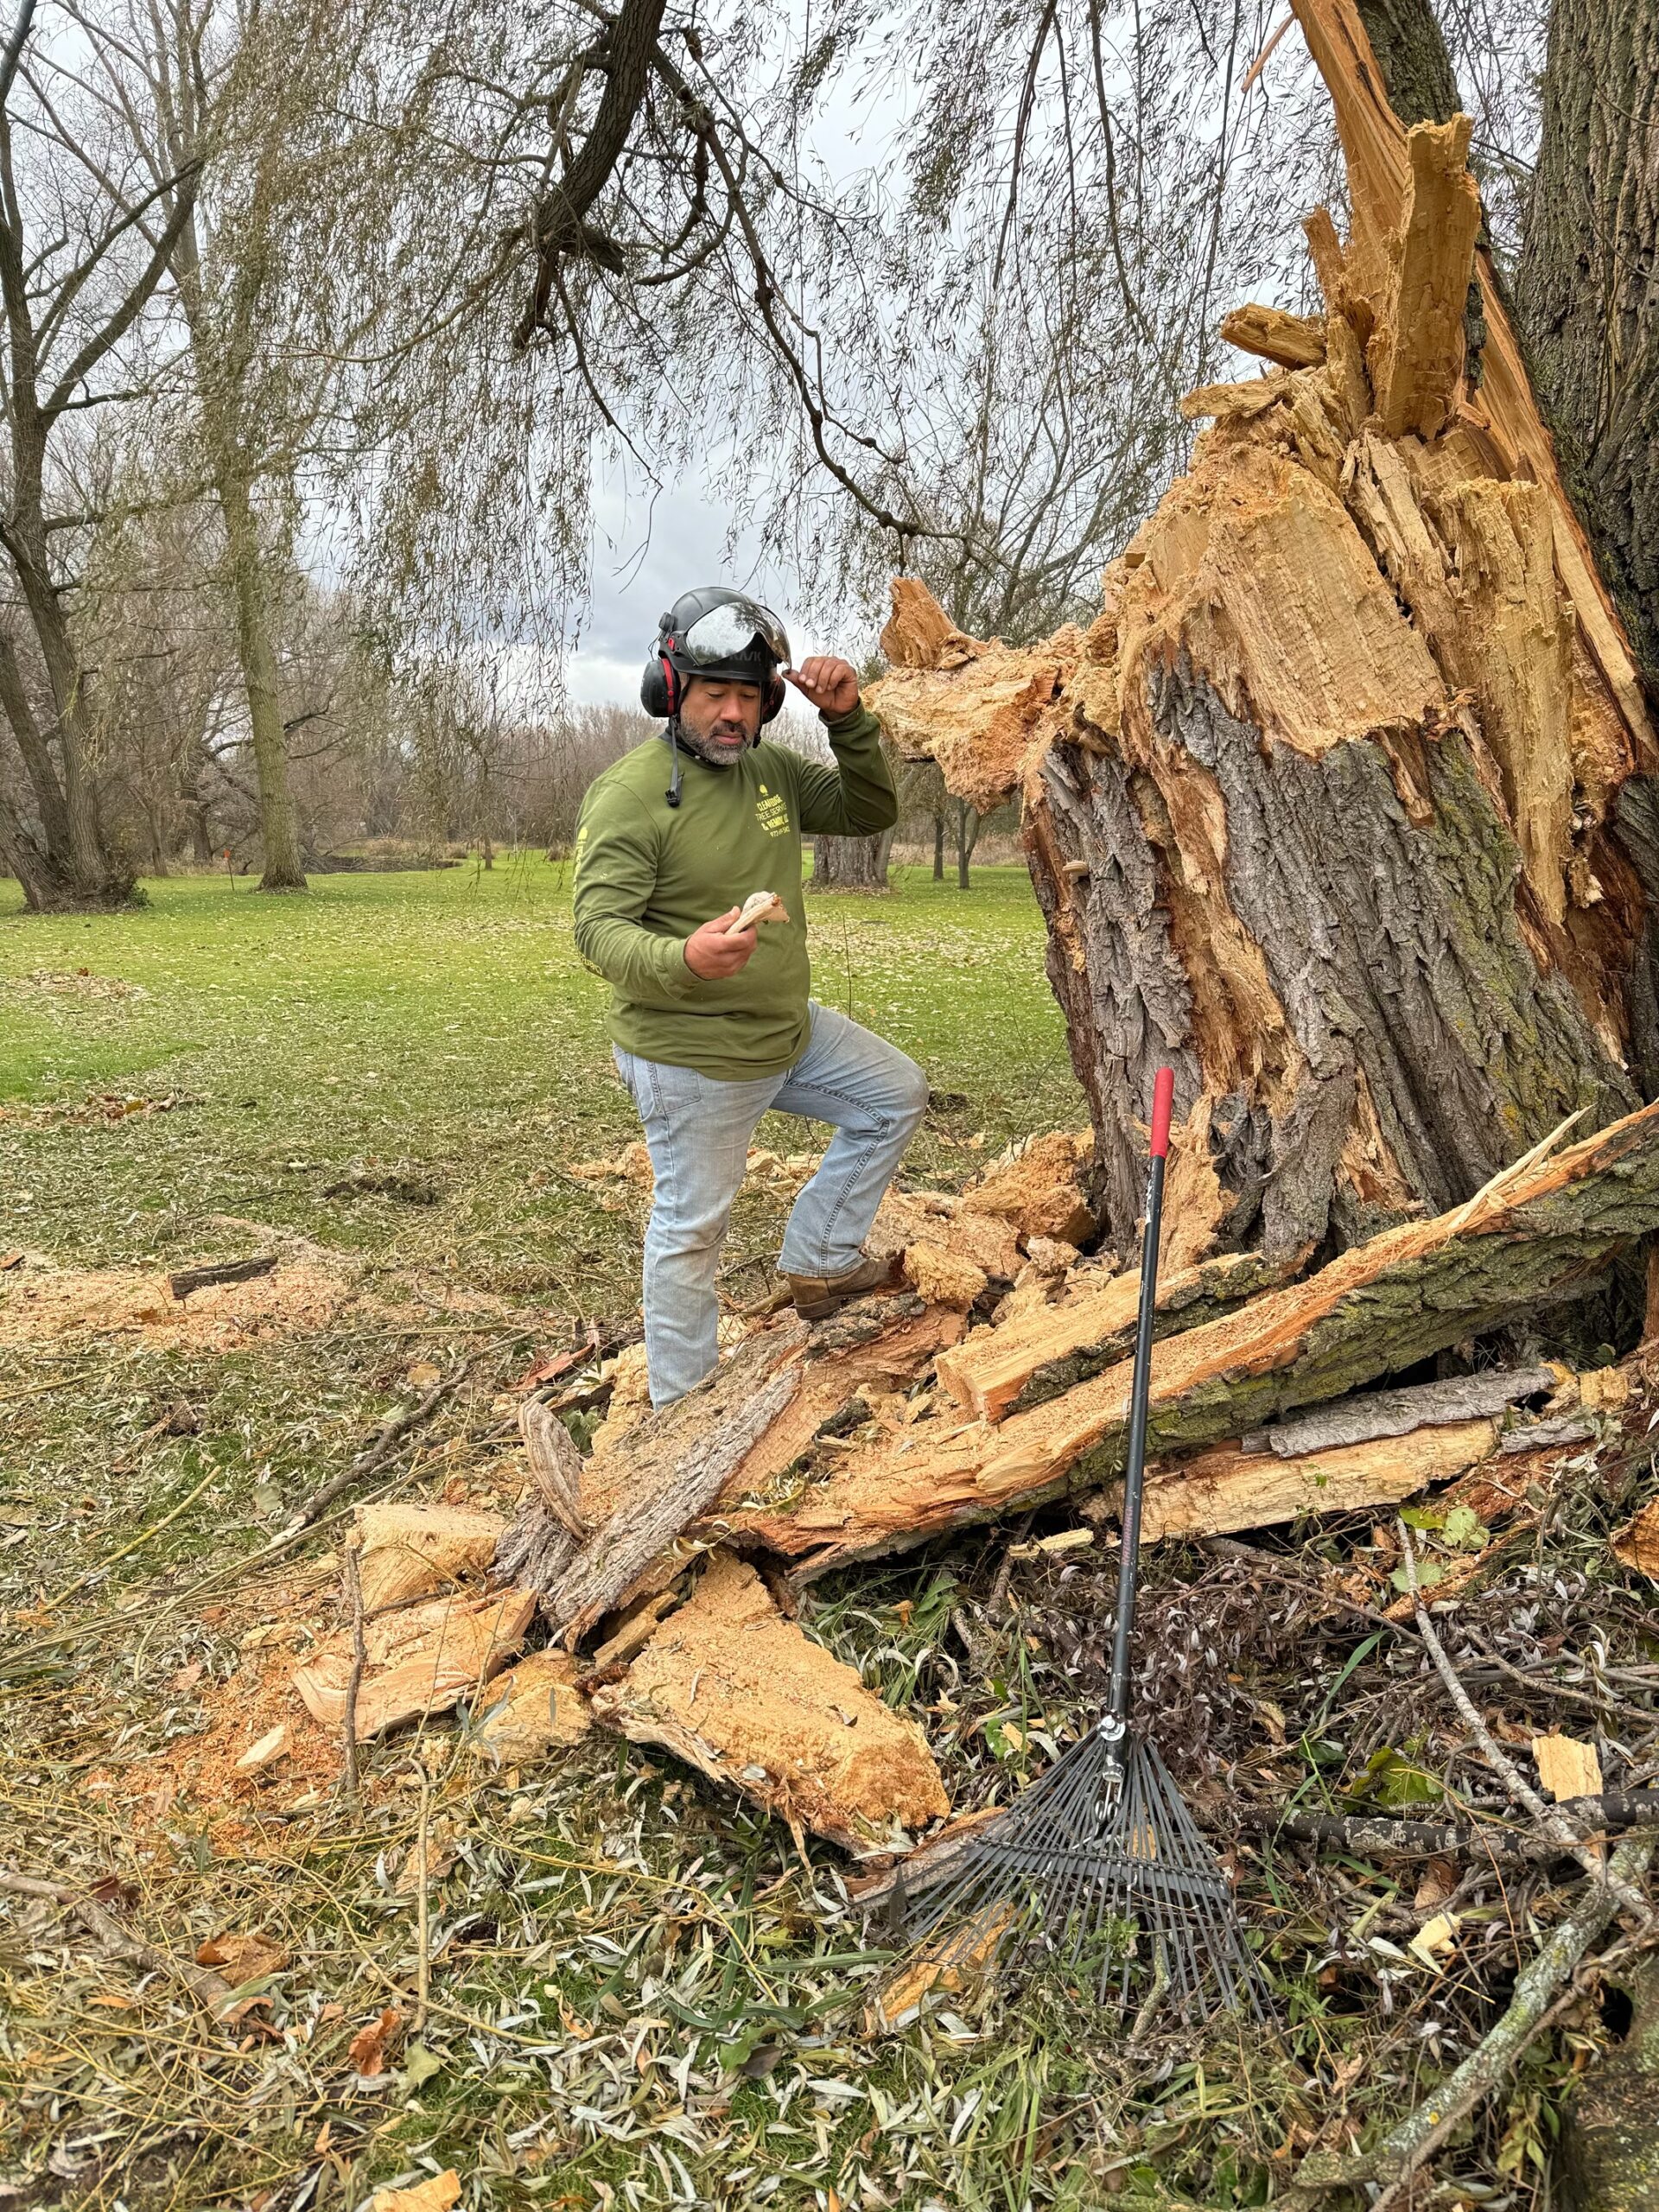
{"x": 1103, "y": 1867}
{"x": 1100, "y": 1854}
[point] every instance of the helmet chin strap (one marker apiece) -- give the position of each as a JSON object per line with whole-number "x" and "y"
{"x": 672, "y": 794}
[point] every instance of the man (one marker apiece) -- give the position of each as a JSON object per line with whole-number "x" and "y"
{"x": 710, "y": 1029}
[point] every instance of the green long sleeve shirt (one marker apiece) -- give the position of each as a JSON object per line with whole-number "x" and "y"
{"x": 648, "y": 874}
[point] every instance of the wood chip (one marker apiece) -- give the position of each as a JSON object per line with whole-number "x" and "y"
{"x": 1567, "y": 1768}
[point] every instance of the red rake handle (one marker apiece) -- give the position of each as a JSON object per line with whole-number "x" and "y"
{"x": 1135, "y": 1469}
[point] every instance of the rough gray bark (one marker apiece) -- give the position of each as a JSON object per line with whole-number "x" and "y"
{"x": 1609, "y": 2158}
{"x": 1395, "y": 948}
{"x": 1587, "y": 290}
{"x": 1397, "y": 1412}
{"x": 608, "y": 1568}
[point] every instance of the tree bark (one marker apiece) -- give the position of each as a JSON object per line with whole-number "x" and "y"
{"x": 278, "y": 826}
{"x": 1587, "y": 295}
{"x": 938, "y": 848}
{"x": 850, "y": 863}
{"x": 1342, "y": 806}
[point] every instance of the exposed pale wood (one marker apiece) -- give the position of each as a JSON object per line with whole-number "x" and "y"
{"x": 1378, "y": 1309}
{"x": 1229, "y": 1488}
{"x": 1416, "y": 348}
{"x": 533, "y": 1708}
{"x": 421, "y": 1659}
{"x": 729, "y": 1685}
{"x": 1636, "y": 1544}
{"x": 996, "y": 1372}
{"x": 1373, "y": 145}
{"x": 408, "y": 1550}
{"x": 1295, "y": 341}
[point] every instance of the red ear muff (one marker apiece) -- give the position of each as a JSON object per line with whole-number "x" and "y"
{"x": 671, "y": 685}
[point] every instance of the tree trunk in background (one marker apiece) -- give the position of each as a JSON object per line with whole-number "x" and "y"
{"x": 1587, "y": 290}
{"x": 850, "y": 863}
{"x": 1320, "y": 809}
{"x": 938, "y": 848}
{"x": 279, "y": 830}
{"x": 967, "y": 822}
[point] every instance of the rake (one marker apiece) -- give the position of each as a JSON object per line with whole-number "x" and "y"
{"x": 1099, "y": 1863}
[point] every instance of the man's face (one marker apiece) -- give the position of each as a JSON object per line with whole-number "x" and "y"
{"x": 719, "y": 717}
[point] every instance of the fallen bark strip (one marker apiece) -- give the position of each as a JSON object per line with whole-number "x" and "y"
{"x": 1397, "y": 1412}
{"x": 1402, "y": 2151}
{"x": 608, "y": 1569}
{"x": 550, "y": 1529}
{"x": 1378, "y": 1309}
{"x": 206, "y": 1277}
{"x": 1007, "y": 1370}
{"x": 210, "y": 1991}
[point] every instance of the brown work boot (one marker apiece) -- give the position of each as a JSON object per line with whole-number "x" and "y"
{"x": 816, "y": 1297}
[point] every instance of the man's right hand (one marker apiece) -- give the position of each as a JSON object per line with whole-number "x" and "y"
{"x": 711, "y": 954}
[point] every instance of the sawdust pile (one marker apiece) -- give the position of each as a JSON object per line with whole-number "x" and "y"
{"x": 41, "y": 1305}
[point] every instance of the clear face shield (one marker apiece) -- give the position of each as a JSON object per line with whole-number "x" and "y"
{"x": 728, "y": 633}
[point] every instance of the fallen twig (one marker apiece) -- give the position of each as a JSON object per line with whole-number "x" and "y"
{"x": 1402, "y": 2151}
{"x": 369, "y": 1459}
{"x": 354, "y": 1680}
{"x": 1390, "y": 1837}
{"x": 210, "y": 1991}
{"x": 206, "y": 1278}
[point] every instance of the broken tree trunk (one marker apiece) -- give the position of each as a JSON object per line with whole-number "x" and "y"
{"x": 1339, "y": 805}
{"x": 1535, "y": 1235}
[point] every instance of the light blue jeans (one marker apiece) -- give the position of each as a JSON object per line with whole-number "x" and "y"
{"x": 698, "y": 1130}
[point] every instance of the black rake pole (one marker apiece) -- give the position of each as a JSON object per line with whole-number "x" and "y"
{"x": 1099, "y": 1864}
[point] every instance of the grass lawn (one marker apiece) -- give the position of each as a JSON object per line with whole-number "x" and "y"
{"x": 636, "y": 1994}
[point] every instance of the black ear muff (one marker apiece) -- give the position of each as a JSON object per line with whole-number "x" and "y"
{"x": 773, "y": 702}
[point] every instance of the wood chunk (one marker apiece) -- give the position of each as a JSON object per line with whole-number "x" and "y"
{"x": 639, "y": 1625}
{"x": 1038, "y": 1191}
{"x": 1295, "y": 341}
{"x": 1230, "y": 402}
{"x": 1567, "y": 1768}
{"x": 1230, "y": 1488}
{"x": 730, "y": 1686}
{"x": 942, "y": 1278}
{"x": 983, "y": 1240}
{"x": 407, "y": 1550}
{"x": 1415, "y": 352}
{"x": 534, "y": 1708}
{"x": 1545, "y": 1226}
{"x": 996, "y": 1372}
{"x": 611, "y": 1565}
{"x": 421, "y": 1660}
{"x": 1636, "y": 1544}
{"x": 759, "y": 906}
{"x": 878, "y": 1344}
{"x": 1397, "y": 1412}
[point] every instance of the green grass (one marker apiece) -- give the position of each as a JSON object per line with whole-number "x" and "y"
{"x": 442, "y": 1022}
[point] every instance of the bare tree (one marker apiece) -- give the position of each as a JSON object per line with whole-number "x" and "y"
{"x": 77, "y": 271}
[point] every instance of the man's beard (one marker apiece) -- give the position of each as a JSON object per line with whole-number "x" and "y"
{"x": 707, "y": 748}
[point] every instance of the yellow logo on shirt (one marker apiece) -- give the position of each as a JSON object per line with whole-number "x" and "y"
{"x": 771, "y": 812}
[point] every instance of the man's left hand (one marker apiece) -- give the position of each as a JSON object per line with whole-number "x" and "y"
{"x": 829, "y": 684}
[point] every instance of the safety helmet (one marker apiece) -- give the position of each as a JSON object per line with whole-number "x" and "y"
{"x": 717, "y": 632}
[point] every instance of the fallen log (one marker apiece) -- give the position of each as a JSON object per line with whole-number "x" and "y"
{"x": 183, "y": 1281}
{"x": 1007, "y": 1369}
{"x": 1538, "y": 1234}
{"x": 550, "y": 1528}
{"x": 737, "y": 1691}
{"x": 1230, "y": 1487}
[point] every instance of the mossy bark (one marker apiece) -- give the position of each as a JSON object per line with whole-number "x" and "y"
{"x": 1609, "y": 2148}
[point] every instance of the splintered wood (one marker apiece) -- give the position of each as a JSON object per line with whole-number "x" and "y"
{"x": 1341, "y": 803}
{"x": 730, "y": 1686}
